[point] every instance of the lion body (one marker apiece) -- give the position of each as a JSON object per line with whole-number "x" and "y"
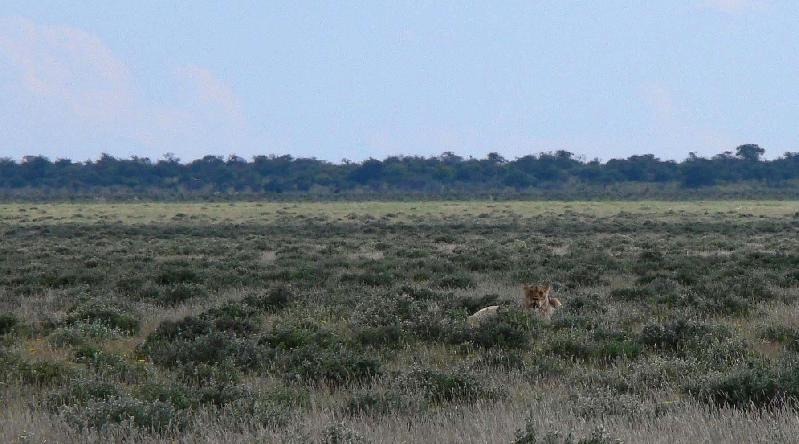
{"x": 482, "y": 315}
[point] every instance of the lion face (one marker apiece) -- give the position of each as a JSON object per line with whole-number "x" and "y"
{"x": 536, "y": 296}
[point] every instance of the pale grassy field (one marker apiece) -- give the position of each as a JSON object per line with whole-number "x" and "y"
{"x": 265, "y": 212}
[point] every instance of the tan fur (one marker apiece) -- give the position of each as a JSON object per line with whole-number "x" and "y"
{"x": 482, "y": 315}
{"x": 537, "y": 297}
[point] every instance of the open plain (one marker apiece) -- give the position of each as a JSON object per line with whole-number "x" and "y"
{"x": 346, "y": 322}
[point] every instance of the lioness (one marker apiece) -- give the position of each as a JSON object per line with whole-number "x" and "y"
{"x": 537, "y": 297}
{"x": 482, "y": 315}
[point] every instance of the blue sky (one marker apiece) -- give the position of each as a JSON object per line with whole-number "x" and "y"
{"x": 352, "y": 80}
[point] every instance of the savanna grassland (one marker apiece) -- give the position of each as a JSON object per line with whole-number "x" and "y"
{"x": 346, "y": 322}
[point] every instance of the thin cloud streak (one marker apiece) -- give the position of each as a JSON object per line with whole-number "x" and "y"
{"x": 74, "y": 76}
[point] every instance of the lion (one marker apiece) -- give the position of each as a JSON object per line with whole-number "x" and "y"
{"x": 538, "y": 297}
{"x": 482, "y": 315}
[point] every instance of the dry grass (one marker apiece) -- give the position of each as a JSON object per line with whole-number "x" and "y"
{"x": 550, "y": 390}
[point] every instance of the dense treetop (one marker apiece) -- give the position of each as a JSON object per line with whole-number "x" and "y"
{"x": 446, "y": 174}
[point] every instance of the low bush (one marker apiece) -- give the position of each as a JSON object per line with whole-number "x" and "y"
{"x": 748, "y": 387}
{"x": 275, "y": 299}
{"x": 440, "y": 387}
{"x": 80, "y": 333}
{"x": 109, "y": 365}
{"x": 106, "y": 313}
{"x": 341, "y": 433}
{"x": 333, "y": 365}
{"x": 80, "y": 391}
{"x": 210, "y": 348}
{"x": 155, "y": 416}
{"x": 7, "y": 323}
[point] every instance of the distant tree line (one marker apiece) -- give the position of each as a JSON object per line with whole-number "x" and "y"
{"x": 555, "y": 173}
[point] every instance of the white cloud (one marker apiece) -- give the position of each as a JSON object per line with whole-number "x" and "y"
{"x": 68, "y": 66}
{"x": 75, "y": 78}
{"x": 212, "y": 91}
{"x": 735, "y": 6}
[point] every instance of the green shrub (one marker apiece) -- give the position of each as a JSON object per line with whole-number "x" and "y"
{"x": 172, "y": 274}
{"x": 275, "y": 299}
{"x": 782, "y": 334}
{"x": 80, "y": 333}
{"x": 379, "y": 336}
{"x": 156, "y": 416}
{"x": 80, "y": 391}
{"x": 500, "y": 332}
{"x": 456, "y": 280}
{"x": 570, "y": 346}
{"x": 109, "y": 365}
{"x": 442, "y": 387}
{"x": 179, "y": 396}
{"x": 202, "y": 374}
{"x": 332, "y": 365}
{"x": 175, "y": 294}
{"x": 14, "y": 368}
{"x": 7, "y": 323}
{"x": 340, "y": 433}
{"x": 292, "y": 335}
{"x": 211, "y": 348}
{"x": 757, "y": 387}
{"x": 106, "y": 313}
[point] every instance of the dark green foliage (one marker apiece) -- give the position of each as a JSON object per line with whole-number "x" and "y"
{"x": 176, "y": 274}
{"x": 81, "y": 391}
{"x": 105, "y": 313}
{"x": 456, "y": 280}
{"x": 394, "y": 176}
{"x": 156, "y": 416}
{"x": 178, "y": 293}
{"x": 41, "y": 373}
{"x": 509, "y": 329}
{"x": 379, "y": 335}
{"x": 7, "y": 323}
{"x": 107, "y": 365}
{"x": 754, "y": 386}
{"x": 213, "y": 347}
{"x": 442, "y": 387}
{"x": 331, "y": 365}
{"x": 340, "y": 433}
{"x": 276, "y": 298}
{"x": 177, "y": 395}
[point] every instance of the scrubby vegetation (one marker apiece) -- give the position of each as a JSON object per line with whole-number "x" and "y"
{"x": 340, "y": 323}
